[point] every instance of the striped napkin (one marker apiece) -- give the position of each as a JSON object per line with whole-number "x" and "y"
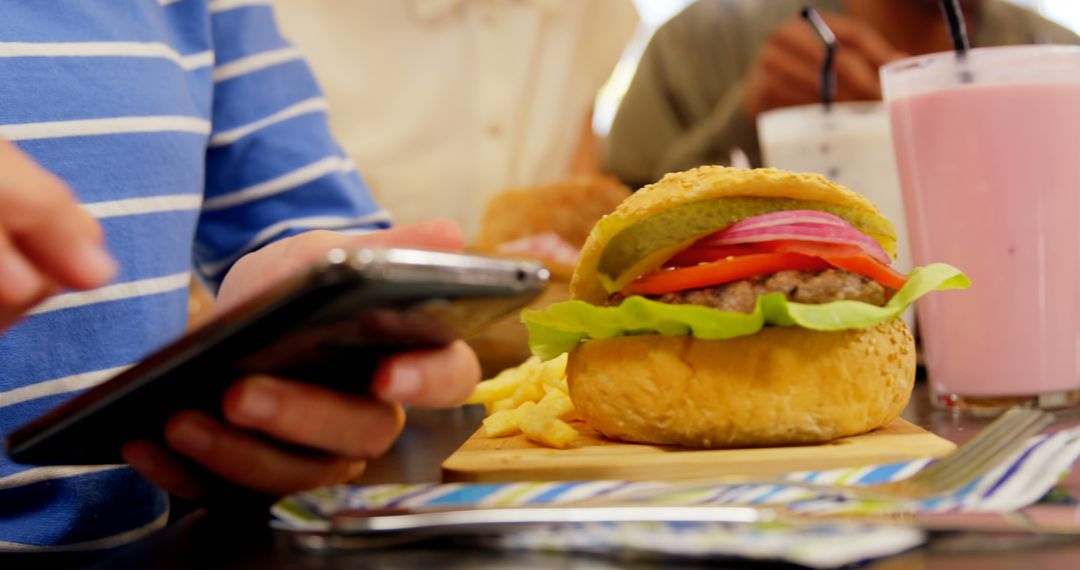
{"x": 1023, "y": 480}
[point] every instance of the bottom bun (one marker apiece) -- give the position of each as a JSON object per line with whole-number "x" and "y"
{"x": 783, "y": 385}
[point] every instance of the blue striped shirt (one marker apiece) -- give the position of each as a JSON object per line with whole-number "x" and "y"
{"x": 194, "y": 133}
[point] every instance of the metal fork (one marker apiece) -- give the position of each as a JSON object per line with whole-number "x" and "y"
{"x": 994, "y": 444}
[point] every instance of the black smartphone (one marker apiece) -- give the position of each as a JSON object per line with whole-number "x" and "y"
{"x": 329, "y": 325}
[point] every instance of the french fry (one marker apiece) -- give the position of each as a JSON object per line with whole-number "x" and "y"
{"x": 528, "y": 391}
{"x": 547, "y": 430}
{"x": 506, "y": 422}
{"x": 503, "y": 385}
{"x": 502, "y": 424}
{"x": 528, "y": 369}
{"x": 531, "y": 398}
{"x": 503, "y": 404}
{"x": 556, "y": 404}
{"x": 553, "y": 371}
{"x": 557, "y": 386}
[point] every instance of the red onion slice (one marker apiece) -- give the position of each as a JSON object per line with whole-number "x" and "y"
{"x": 819, "y": 227}
{"x": 789, "y": 217}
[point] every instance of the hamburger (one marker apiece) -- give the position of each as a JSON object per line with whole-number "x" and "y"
{"x": 724, "y": 307}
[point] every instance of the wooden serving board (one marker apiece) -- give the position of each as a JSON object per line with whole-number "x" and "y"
{"x": 485, "y": 459}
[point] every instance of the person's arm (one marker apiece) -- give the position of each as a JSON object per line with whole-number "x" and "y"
{"x": 276, "y": 182}
{"x": 682, "y": 107}
{"x": 273, "y": 170}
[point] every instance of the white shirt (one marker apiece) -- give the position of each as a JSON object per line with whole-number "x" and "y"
{"x": 443, "y": 103}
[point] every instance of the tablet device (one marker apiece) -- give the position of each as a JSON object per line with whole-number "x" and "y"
{"x": 329, "y": 325}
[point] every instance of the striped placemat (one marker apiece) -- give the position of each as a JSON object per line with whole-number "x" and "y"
{"x": 1023, "y": 480}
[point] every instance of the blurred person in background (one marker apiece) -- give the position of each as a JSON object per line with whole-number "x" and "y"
{"x": 709, "y": 72}
{"x": 444, "y": 103}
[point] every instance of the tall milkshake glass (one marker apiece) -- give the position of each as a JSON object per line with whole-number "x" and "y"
{"x": 988, "y": 150}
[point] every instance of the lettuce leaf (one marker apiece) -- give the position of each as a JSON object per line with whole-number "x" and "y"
{"x": 558, "y": 328}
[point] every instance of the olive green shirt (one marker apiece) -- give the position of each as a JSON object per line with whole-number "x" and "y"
{"x": 684, "y": 105}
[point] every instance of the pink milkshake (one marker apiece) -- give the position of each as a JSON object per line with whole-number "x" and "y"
{"x": 990, "y": 171}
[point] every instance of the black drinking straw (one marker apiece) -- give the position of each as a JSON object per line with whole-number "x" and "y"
{"x": 958, "y": 32}
{"x": 828, "y": 74}
{"x": 957, "y": 29}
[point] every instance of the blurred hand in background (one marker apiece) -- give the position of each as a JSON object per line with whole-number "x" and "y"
{"x": 787, "y": 70}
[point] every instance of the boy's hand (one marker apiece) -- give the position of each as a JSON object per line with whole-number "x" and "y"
{"x": 47, "y": 241}
{"x": 347, "y": 429}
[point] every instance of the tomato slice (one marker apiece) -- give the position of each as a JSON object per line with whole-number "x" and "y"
{"x": 842, "y": 256}
{"x": 870, "y": 267}
{"x": 721, "y": 271}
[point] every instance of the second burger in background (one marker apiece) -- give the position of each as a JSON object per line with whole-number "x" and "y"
{"x": 724, "y": 307}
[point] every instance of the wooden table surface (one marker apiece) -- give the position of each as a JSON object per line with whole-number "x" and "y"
{"x": 207, "y": 541}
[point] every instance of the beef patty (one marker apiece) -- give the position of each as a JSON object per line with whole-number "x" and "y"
{"x": 799, "y": 286}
